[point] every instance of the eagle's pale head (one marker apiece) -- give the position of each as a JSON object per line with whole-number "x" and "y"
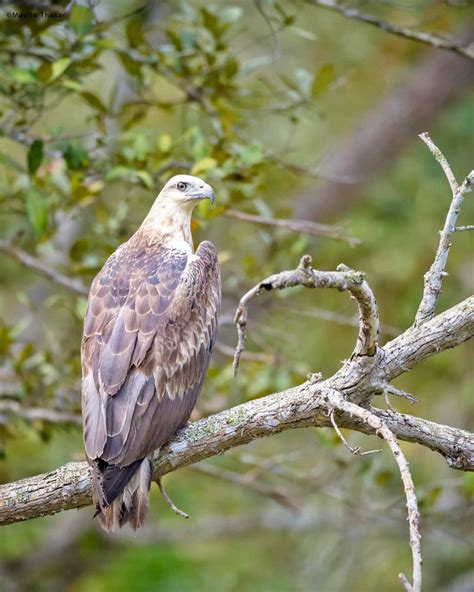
{"x": 186, "y": 190}
{"x": 170, "y": 215}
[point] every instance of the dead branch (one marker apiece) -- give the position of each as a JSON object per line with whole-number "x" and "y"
{"x": 384, "y": 431}
{"x": 434, "y": 277}
{"x": 304, "y": 275}
{"x": 13, "y": 409}
{"x": 303, "y": 226}
{"x": 43, "y": 268}
{"x": 278, "y": 494}
{"x": 420, "y": 37}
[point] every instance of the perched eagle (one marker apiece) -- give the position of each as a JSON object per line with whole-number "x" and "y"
{"x": 149, "y": 331}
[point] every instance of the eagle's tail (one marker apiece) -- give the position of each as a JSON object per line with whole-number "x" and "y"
{"x": 120, "y": 494}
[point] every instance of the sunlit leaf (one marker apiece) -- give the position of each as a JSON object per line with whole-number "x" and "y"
{"x": 37, "y": 210}
{"x": 165, "y": 142}
{"x": 203, "y": 165}
{"x": 80, "y": 19}
{"x": 59, "y": 67}
{"x": 322, "y": 80}
{"x": 22, "y": 76}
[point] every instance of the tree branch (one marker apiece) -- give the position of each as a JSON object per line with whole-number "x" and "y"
{"x": 12, "y": 408}
{"x": 434, "y": 277}
{"x": 386, "y": 433}
{"x": 342, "y": 279}
{"x": 418, "y": 36}
{"x": 304, "y": 406}
{"x": 302, "y": 226}
{"x": 43, "y": 268}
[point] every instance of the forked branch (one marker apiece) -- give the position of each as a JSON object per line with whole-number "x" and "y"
{"x": 434, "y": 277}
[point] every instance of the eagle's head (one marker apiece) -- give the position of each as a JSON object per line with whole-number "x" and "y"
{"x": 186, "y": 190}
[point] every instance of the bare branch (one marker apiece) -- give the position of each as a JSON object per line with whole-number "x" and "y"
{"x": 303, "y": 226}
{"x": 342, "y": 279}
{"x": 228, "y": 350}
{"x": 168, "y": 500}
{"x": 280, "y": 495}
{"x": 434, "y": 277}
{"x": 14, "y": 409}
{"x": 384, "y": 431}
{"x": 43, "y": 268}
{"x": 418, "y": 36}
{"x": 392, "y": 390}
{"x": 340, "y": 319}
{"x": 356, "y": 451}
{"x": 463, "y": 228}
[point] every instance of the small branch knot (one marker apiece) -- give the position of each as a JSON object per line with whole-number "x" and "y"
{"x": 305, "y": 263}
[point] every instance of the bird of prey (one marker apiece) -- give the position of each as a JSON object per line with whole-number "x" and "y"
{"x": 149, "y": 330}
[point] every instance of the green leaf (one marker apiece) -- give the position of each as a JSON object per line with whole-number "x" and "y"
{"x": 76, "y": 157}
{"x": 35, "y": 156}
{"x": 80, "y": 19}
{"x": 93, "y": 101}
{"x": 203, "y": 165}
{"x": 165, "y": 142}
{"x": 22, "y": 76}
{"x": 59, "y": 67}
{"x": 44, "y": 72}
{"x": 134, "y": 31}
{"x": 252, "y": 155}
{"x": 37, "y": 211}
{"x": 118, "y": 172}
{"x": 322, "y": 80}
{"x": 145, "y": 178}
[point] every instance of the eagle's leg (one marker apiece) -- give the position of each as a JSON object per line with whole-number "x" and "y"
{"x": 168, "y": 500}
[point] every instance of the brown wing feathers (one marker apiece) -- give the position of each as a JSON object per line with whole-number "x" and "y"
{"x": 148, "y": 336}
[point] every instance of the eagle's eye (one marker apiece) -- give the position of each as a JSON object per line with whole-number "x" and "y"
{"x": 182, "y": 186}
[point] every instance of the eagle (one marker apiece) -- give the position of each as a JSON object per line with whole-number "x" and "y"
{"x": 149, "y": 331}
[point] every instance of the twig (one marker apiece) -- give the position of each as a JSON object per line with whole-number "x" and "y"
{"x": 342, "y": 279}
{"x": 418, "y": 36}
{"x": 278, "y": 494}
{"x": 227, "y": 350}
{"x": 392, "y": 390}
{"x": 340, "y": 319}
{"x": 43, "y": 268}
{"x": 383, "y": 430}
{"x": 355, "y": 450}
{"x": 12, "y": 408}
{"x": 434, "y": 277}
{"x": 168, "y": 500}
{"x": 463, "y": 228}
{"x": 304, "y": 226}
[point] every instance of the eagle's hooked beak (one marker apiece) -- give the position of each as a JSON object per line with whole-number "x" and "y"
{"x": 206, "y": 192}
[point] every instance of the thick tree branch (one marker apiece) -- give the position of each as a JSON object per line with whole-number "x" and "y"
{"x": 418, "y": 36}
{"x": 304, "y": 406}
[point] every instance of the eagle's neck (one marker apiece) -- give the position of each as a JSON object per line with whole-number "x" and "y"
{"x": 170, "y": 225}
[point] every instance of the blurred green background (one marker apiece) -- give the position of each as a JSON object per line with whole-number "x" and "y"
{"x": 97, "y": 111}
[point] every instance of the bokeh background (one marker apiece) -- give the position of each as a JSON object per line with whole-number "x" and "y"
{"x": 289, "y": 111}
